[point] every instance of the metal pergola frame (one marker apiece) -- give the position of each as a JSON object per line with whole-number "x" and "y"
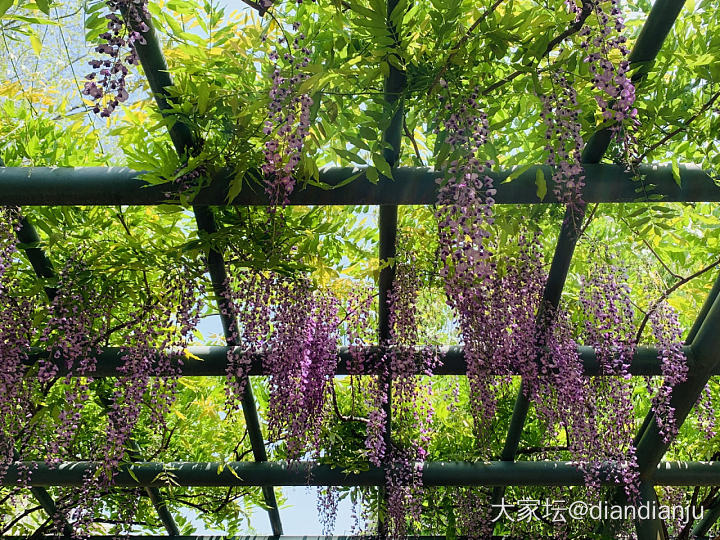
{"x": 604, "y": 183}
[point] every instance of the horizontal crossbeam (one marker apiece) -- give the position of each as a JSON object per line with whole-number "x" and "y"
{"x": 451, "y": 473}
{"x": 45, "y": 186}
{"x": 212, "y": 361}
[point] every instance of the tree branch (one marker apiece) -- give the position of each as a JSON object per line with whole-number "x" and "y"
{"x": 668, "y": 292}
{"x": 572, "y": 29}
{"x": 410, "y": 136}
{"x": 484, "y": 15}
{"x": 647, "y": 245}
{"x": 680, "y": 129}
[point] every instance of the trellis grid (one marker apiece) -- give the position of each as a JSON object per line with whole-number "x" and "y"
{"x": 605, "y": 183}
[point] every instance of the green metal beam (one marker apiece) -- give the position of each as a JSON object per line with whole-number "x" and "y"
{"x": 156, "y": 71}
{"x": 453, "y": 473}
{"x": 93, "y": 186}
{"x": 655, "y": 29}
{"x": 707, "y": 522}
{"x": 212, "y": 361}
{"x": 394, "y": 86}
{"x": 44, "y": 499}
{"x": 704, "y": 310}
{"x": 651, "y": 528}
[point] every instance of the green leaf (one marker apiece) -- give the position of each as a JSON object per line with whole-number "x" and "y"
{"x": 541, "y": 184}
{"x": 44, "y": 6}
{"x": 236, "y": 185}
{"x": 36, "y": 43}
{"x": 203, "y": 93}
{"x": 676, "y": 172}
{"x": 5, "y": 5}
{"x": 382, "y": 165}
{"x": 372, "y": 175}
{"x": 132, "y": 474}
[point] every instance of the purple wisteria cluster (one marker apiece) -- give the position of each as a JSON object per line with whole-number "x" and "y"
{"x": 147, "y": 381}
{"x": 617, "y": 92}
{"x": 411, "y": 405}
{"x": 667, "y": 334}
{"x": 615, "y": 95}
{"x": 288, "y": 121}
{"x": 301, "y": 363}
{"x": 80, "y": 318}
{"x": 16, "y": 321}
{"x": 108, "y": 78}
{"x": 495, "y": 306}
{"x": 563, "y": 141}
{"x": 245, "y": 300}
{"x": 608, "y": 328}
{"x": 295, "y": 327}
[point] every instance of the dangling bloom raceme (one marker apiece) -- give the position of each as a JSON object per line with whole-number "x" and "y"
{"x": 666, "y": 332}
{"x": 411, "y": 407}
{"x": 608, "y": 328}
{"x": 109, "y": 76}
{"x": 288, "y": 120}
{"x": 294, "y": 326}
{"x": 16, "y": 320}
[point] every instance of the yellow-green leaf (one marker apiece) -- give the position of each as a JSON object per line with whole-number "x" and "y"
{"x": 541, "y": 184}
{"x": 36, "y": 43}
{"x": 676, "y": 172}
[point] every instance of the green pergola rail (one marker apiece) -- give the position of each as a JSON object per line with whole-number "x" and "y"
{"x": 212, "y": 361}
{"x": 107, "y": 186}
{"x": 303, "y": 473}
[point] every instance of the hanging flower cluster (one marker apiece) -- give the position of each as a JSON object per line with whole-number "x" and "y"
{"x": 667, "y": 336}
{"x": 617, "y": 92}
{"x": 288, "y": 122}
{"x": 410, "y": 405}
{"x": 79, "y": 318}
{"x": 294, "y": 326}
{"x": 495, "y": 307}
{"x": 563, "y": 141}
{"x": 147, "y": 379}
{"x": 615, "y": 95}
{"x": 245, "y": 300}
{"x": 608, "y": 328}
{"x": 78, "y": 323}
{"x": 16, "y": 331}
{"x": 109, "y": 74}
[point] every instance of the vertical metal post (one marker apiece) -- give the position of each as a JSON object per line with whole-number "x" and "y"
{"x": 387, "y": 219}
